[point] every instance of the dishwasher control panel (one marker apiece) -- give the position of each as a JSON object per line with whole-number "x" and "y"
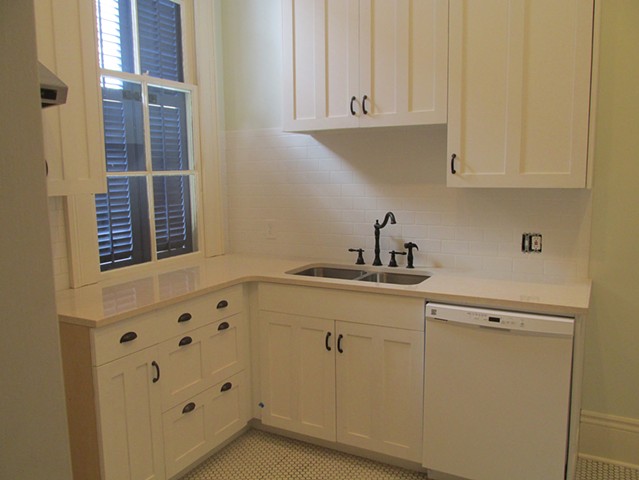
{"x": 501, "y": 319}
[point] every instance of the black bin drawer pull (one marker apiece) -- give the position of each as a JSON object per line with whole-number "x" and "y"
{"x": 128, "y": 337}
{"x": 185, "y": 317}
{"x": 227, "y": 386}
{"x": 223, "y": 326}
{"x": 222, "y": 304}
{"x": 189, "y": 407}
{"x": 185, "y": 341}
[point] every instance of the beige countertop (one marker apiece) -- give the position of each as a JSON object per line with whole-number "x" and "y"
{"x": 124, "y": 296}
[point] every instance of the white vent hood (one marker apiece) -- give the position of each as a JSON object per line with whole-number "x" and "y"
{"x": 53, "y": 91}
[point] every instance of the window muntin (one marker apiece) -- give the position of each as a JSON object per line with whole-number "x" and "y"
{"x": 151, "y": 171}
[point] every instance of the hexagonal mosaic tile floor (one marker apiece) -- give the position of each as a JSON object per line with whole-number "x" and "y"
{"x": 258, "y": 455}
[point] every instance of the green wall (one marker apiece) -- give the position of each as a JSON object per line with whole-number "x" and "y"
{"x": 612, "y": 342}
{"x": 252, "y": 56}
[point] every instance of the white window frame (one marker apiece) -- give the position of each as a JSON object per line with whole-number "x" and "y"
{"x": 200, "y": 46}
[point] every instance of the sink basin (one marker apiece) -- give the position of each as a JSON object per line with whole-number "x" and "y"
{"x": 394, "y": 278}
{"x": 341, "y": 273}
{"x": 331, "y": 272}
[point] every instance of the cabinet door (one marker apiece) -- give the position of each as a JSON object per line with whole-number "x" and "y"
{"x": 403, "y": 62}
{"x": 298, "y": 373}
{"x": 129, "y": 418}
{"x": 380, "y": 389}
{"x": 201, "y": 358}
{"x": 320, "y": 66}
{"x": 519, "y": 92}
{"x": 194, "y": 428}
{"x": 73, "y": 137}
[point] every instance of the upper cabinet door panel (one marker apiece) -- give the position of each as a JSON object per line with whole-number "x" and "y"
{"x": 519, "y": 92}
{"x": 319, "y": 63}
{"x": 342, "y": 75}
{"x": 557, "y": 60}
{"x": 478, "y": 82}
{"x": 73, "y": 137}
{"x": 403, "y": 61}
{"x": 336, "y": 52}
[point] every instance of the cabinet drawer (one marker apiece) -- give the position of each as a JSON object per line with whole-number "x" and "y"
{"x": 182, "y": 317}
{"x": 358, "y": 307}
{"x": 195, "y": 427}
{"x": 128, "y": 336}
{"x": 123, "y": 338}
{"x": 201, "y": 358}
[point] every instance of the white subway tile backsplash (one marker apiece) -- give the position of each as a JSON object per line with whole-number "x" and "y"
{"x": 325, "y": 192}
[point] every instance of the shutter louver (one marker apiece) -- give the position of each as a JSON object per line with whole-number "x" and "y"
{"x": 172, "y": 199}
{"x": 169, "y": 140}
{"x": 160, "y": 31}
{"x": 121, "y": 228}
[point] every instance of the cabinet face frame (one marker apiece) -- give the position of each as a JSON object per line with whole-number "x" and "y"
{"x": 512, "y": 139}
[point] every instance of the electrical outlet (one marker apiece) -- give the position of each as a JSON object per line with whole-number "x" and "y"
{"x": 531, "y": 242}
{"x": 535, "y": 243}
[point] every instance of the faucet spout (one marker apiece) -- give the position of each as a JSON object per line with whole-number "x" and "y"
{"x": 389, "y": 216}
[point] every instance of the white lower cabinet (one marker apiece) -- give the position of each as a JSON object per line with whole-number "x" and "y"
{"x": 359, "y": 384}
{"x": 201, "y": 358}
{"x": 196, "y": 427}
{"x": 129, "y": 417}
{"x": 379, "y": 389}
{"x": 158, "y": 404}
{"x": 298, "y": 373}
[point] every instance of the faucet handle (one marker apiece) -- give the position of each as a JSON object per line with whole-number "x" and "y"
{"x": 410, "y": 246}
{"x": 360, "y": 257}
{"x": 393, "y": 262}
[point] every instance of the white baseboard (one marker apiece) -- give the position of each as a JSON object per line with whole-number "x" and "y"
{"x": 609, "y": 438}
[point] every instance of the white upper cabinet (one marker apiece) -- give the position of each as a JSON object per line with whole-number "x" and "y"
{"x": 73, "y": 137}
{"x": 519, "y": 93}
{"x": 364, "y": 63}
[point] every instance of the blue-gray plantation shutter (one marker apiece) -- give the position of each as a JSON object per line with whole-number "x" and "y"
{"x": 160, "y": 28}
{"x": 169, "y": 152}
{"x": 122, "y": 213}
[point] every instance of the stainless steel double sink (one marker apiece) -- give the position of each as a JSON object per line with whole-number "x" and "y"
{"x": 341, "y": 273}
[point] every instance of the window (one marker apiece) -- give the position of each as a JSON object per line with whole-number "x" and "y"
{"x": 149, "y": 210}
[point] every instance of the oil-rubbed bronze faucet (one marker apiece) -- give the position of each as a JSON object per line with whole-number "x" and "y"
{"x": 389, "y": 216}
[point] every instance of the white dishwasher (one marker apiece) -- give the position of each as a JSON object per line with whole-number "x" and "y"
{"x": 496, "y": 394}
